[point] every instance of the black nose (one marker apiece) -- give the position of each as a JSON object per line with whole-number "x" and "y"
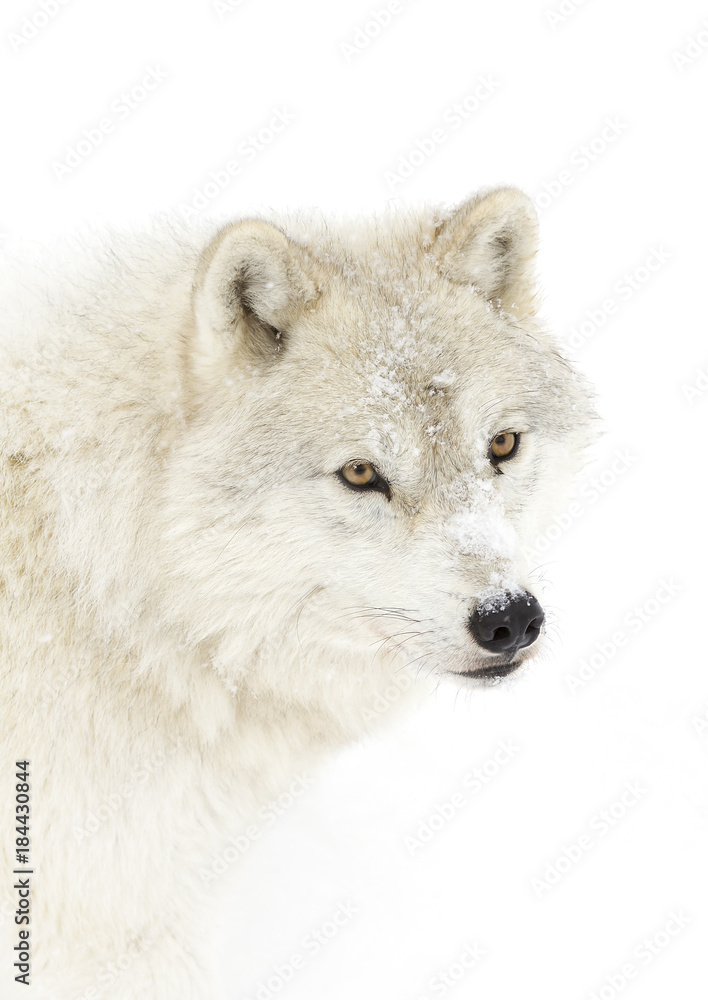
{"x": 505, "y": 623}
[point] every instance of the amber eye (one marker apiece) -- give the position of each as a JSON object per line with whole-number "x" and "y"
{"x": 503, "y": 446}
{"x": 363, "y": 476}
{"x": 359, "y": 473}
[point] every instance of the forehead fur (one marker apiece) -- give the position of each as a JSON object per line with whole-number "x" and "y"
{"x": 390, "y": 338}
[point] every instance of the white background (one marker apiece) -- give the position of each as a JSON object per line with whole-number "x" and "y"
{"x": 642, "y": 717}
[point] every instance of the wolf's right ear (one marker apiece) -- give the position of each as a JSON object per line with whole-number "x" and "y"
{"x": 490, "y": 242}
{"x": 251, "y": 283}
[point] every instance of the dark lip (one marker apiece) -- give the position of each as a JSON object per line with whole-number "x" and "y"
{"x": 495, "y": 670}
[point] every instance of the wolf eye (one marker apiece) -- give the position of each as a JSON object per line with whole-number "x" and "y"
{"x": 363, "y": 476}
{"x": 503, "y": 446}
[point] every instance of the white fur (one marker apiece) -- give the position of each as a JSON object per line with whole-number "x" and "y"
{"x": 188, "y": 590}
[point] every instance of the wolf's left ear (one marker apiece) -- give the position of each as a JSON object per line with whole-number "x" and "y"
{"x": 251, "y": 283}
{"x": 490, "y": 242}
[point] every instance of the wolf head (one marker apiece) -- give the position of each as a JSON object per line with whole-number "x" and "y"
{"x": 378, "y": 430}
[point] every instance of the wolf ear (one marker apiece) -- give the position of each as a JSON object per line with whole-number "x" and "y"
{"x": 251, "y": 282}
{"x": 490, "y": 242}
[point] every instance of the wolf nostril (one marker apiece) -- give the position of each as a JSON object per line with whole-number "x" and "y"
{"x": 507, "y": 622}
{"x": 533, "y": 629}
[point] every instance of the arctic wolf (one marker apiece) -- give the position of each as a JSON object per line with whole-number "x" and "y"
{"x": 255, "y": 482}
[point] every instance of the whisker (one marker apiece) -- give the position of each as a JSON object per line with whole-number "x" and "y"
{"x": 369, "y": 612}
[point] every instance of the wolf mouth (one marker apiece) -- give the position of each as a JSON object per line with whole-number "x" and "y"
{"x": 493, "y": 670}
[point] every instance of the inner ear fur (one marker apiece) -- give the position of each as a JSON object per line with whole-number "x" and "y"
{"x": 251, "y": 283}
{"x": 490, "y": 242}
